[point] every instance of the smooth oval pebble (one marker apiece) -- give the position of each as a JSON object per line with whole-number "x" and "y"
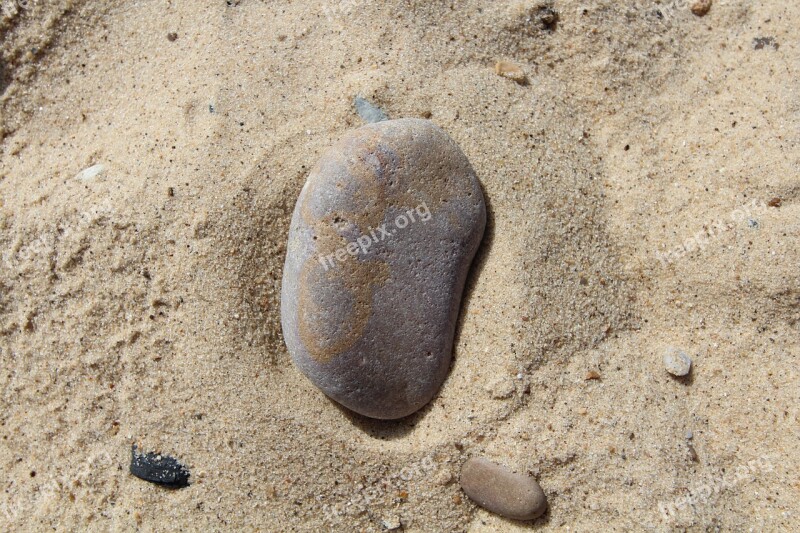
{"x": 501, "y": 491}
{"x": 368, "y": 111}
{"x": 380, "y": 244}
{"x": 677, "y": 362}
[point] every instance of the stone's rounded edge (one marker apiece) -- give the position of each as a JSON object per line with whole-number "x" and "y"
{"x": 501, "y": 491}
{"x": 396, "y": 414}
{"x": 304, "y": 250}
{"x": 289, "y": 279}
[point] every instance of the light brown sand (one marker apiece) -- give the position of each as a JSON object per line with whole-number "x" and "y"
{"x": 142, "y": 305}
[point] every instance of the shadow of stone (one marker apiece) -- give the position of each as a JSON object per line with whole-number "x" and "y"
{"x": 478, "y": 263}
{"x": 383, "y": 429}
{"x": 686, "y": 380}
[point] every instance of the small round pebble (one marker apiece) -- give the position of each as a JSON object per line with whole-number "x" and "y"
{"x": 501, "y": 491}
{"x": 368, "y": 111}
{"x": 701, "y": 7}
{"x": 677, "y": 362}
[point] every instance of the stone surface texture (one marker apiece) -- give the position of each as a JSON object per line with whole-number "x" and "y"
{"x": 380, "y": 243}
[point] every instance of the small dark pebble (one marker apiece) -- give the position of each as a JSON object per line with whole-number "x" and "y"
{"x": 159, "y": 469}
{"x": 775, "y": 202}
{"x": 172, "y": 36}
{"x": 759, "y": 43}
{"x": 548, "y": 17}
{"x": 701, "y": 7}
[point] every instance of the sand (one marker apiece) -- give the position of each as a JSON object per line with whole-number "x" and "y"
{"x": 140, "y": 305}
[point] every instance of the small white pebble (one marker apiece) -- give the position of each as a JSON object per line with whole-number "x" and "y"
{"x": 90, "y": 173}
{"x": 443, "y": 477}
{"x": 677, "y": 362}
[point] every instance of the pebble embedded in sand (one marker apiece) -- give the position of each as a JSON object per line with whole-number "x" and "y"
{"x": 677, "y": 362}
{"x": 368, "y": 111}
{"x": 380, "y": 243}
{"x": 159, "y": 469}
{"x": 701, "y": 7}
{"x": 501, "y": 491}
{"x": 510, "y": 70}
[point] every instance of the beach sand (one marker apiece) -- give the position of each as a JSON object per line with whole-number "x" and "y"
{"x": 643, "y": 188}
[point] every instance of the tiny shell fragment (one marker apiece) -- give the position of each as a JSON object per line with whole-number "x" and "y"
{"x": 510, "y": 70}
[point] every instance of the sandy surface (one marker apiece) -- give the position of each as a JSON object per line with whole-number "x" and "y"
{"x": 140, "y": 305}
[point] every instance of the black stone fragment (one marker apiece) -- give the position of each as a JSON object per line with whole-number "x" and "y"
{"x": 159, "y": 469}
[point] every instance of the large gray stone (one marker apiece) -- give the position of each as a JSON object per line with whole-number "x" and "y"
{"x": 380, "y": 244}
